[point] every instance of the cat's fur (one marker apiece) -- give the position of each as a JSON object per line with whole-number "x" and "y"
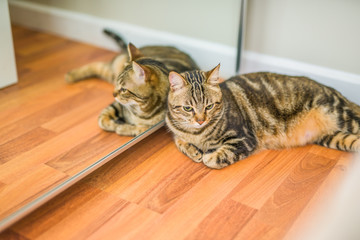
{"x": 221, "y": 123}
{"x": 141, "y": 85}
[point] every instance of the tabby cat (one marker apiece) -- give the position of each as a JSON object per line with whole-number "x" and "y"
{"x": 219, "y": 123}
{"x": 141, "y": 85}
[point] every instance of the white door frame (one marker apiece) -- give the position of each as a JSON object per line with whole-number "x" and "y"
{"x": 8, "y": 73}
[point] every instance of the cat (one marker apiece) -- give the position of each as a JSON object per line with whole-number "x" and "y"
{"x": 141, "y": 84}
{"x": 219, "y": 123}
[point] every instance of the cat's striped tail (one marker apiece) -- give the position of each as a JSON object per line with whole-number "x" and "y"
{"x": 118, "y": 39}
{"x": 347, "y": 137}
{"x": 341, "y": 141}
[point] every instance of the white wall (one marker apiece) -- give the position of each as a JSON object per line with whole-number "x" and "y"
{"x": 8, "y": 73}
{"x": 320, "y": 32}
{"x": 210, "y": 20}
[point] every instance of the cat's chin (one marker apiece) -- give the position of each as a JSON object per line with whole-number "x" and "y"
{"x": 116, "y": 99}
{"x": 126, "y": 103}
{"x": 197, "y": 126}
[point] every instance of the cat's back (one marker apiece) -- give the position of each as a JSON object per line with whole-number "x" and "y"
{"x": 161, "y": 51}
{"x": 262, "y": 88}
{"x": 273, "y": 82}
{"x": 173, "y": 58}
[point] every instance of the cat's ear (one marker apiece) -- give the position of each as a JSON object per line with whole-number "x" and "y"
{"x": 176, "y": 81}
{"x": 139, "y": 73}
{"x": 134, "y": 52}
{"x": 213, "y": 76}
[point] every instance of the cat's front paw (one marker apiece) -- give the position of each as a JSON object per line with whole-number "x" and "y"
{"x": 216, "y": 160}
{"x": 106, "y": 123}
{"x": 194, "y": 153}
{"x": 130, "y": 130}
{"x": 189, "y": 150}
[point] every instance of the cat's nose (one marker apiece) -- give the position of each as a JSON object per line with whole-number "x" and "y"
{"x": 200, "y": 122}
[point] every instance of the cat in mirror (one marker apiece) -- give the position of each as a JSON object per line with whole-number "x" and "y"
{"x": 140, "y": 78}
{"x": 221, "y": 122}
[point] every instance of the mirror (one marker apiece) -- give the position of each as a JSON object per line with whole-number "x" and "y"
{"x": 49, "y": 133}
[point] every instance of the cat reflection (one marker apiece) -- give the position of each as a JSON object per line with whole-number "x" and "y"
{"x": 140, "y": 77}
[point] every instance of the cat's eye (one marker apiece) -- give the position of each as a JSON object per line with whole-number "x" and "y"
{"x": 209, "y": 107}
{"x": 123, "y": 90}
{"x": 187, "y": 108}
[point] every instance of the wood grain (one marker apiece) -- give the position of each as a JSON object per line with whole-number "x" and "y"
{"x": 48, "y": 128}
{"x": 153, "y": 191}
{"x": 224, "y": 222}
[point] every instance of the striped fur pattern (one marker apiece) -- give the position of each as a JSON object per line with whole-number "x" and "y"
{"x": 141, "y": 85}
{"x": 220, "y": 123}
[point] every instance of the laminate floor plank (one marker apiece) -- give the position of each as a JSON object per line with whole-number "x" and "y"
{"x": 180, "y": 199}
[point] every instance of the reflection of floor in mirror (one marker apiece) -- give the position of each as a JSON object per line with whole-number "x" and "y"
{"x": 48, "y": 128}
{"x": 152, "y": 191}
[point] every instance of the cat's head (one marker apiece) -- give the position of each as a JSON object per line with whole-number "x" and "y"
{"x": 195, "y": 98}
{"x": 136, "y": 83}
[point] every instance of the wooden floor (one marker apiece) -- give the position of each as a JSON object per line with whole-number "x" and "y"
{"x": 48, "y": 128}
{"x": 152, "y": 191}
